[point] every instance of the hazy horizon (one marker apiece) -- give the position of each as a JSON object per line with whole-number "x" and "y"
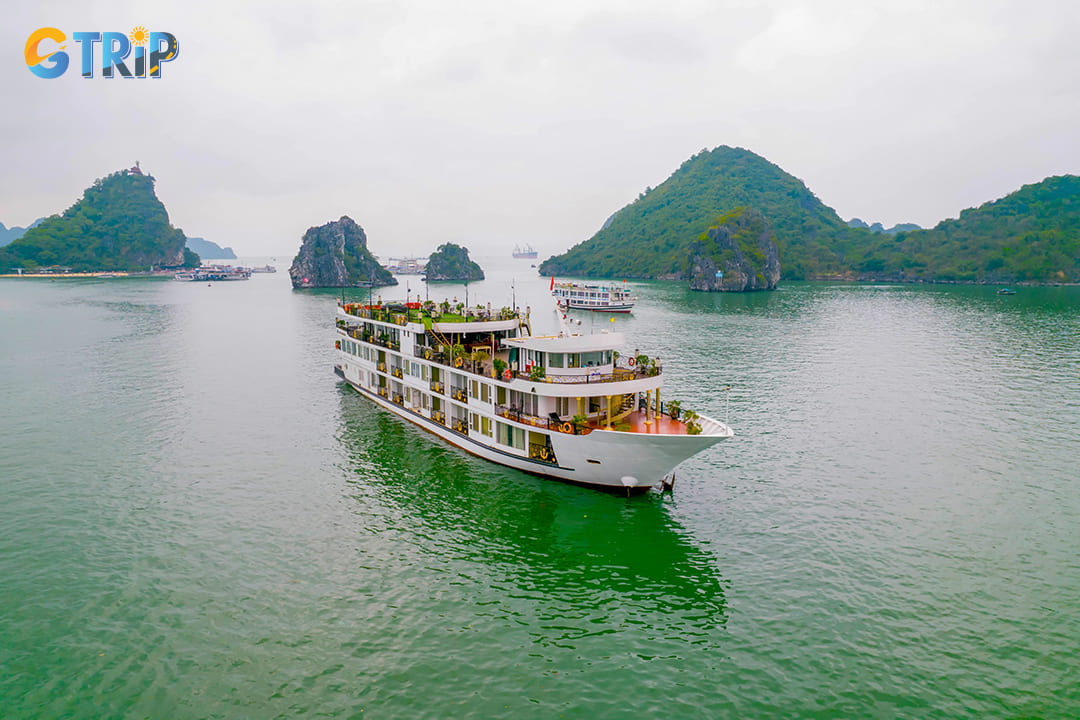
{"x": 490, "y": 124}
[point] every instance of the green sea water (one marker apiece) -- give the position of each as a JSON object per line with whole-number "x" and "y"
{"x": 198, "y": 520}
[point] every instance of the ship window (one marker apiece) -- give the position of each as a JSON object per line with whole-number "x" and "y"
{"x": 591, "y": 359}
{"x": 555, "y": 360}
{"x": 573, "y": 360}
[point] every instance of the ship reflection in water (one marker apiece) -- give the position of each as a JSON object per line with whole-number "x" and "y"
{"x": 590, "y": 563}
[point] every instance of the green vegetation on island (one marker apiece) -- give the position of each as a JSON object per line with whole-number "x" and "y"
{"x": 118, "y": 224}
{"x": 336, "y": 255}
{"x": 1032, "y": 235}
{"x": 650, "y": 237}
{"x": 735, "y": 254}
{"x": 451, "y": 262}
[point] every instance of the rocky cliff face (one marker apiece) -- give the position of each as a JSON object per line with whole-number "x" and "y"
{"x": 737, "y": 254}
{"x": 336, "y": 255}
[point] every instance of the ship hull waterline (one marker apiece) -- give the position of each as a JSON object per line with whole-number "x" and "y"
{"x": 604, "y": 459}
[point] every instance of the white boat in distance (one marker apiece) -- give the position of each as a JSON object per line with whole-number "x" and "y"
{"x": 561, "y": 406}
{"x": 207, "y": 273}
{"x": 586, "y": 296}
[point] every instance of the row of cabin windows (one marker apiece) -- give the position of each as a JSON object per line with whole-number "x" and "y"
{"x": 568, "y": 360}
{"x": 504, "y": 434}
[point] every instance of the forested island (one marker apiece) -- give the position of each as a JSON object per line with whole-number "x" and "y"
{"x": 336, "y": 255}
{"x": 118, "y": 225}
{"x": 1032, "y": 235}
{"x": 451, "y": 262}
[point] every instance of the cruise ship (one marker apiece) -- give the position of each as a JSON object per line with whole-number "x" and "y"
{"x": 524, "y": 252}
{"x": 585, "y": 296}
{"x": 563, "y": 406}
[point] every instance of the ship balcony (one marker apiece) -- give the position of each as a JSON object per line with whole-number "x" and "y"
{"x": 437, "y": 387}
{"x": 399, "y": 398}
{"x": 438, "y": 416}
{"x": 381, "y": 367}
{"x": 461, "y": 426}
{"x": 396, "y": 372}
{"x": 459, "y": 394}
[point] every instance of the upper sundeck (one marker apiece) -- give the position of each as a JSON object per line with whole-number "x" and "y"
{"x": 442, "y": 317}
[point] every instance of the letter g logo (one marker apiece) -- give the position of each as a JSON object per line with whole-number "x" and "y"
{"x": 35, "y": 61}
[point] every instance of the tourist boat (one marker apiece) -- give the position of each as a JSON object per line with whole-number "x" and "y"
{"x": 263, "y": 269}
{"x": 561, "y": 406}
{"x": 407, "y": 266}
{"x": 583, "y": 296}
{"x": 524, "y": 252}
{"x": 206, "y": 273}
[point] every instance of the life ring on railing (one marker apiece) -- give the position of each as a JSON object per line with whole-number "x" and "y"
{"x": 506, "y": 374}
{"x": 630, "y": 362}
{"x": 458, "y": 362}
{"x": 567, "y": 427}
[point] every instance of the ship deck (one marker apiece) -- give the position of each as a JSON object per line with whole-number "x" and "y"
{"x": 660, "y": 425}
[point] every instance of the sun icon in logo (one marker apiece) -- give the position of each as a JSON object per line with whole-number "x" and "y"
{"x": 139, "y": 36}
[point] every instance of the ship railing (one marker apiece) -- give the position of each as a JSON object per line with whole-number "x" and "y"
{"x": 617, "y": 375}
{"x": 381, "y": 367}
{"x": 459, "y": 394}
{"x": 399, "y": 398}
{"x": 396, "y": 372}
{"x": 461, "y": 426}
{"x": 417, "y": 312}
{"x": 438, "y": 416}
{"x": 548, "y": 423}
{"x": 384, "y": 392}
{"x": 437, "y": 386}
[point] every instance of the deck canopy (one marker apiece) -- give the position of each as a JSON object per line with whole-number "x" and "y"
{"x": 569, "y": 343}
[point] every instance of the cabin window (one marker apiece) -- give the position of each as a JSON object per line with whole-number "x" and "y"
{"x": 480, "y": 390}
{"x": 562, "y": 406}
{"x": 555, "y": 360}
{"x": 510, "y": 435}
{"x": 573, "y": 360}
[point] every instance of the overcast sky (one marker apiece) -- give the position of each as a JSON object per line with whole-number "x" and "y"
{"x": 490, "y": 123}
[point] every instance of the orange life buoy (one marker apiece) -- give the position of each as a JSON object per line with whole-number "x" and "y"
{"x": 567, "y": 427}
{"x": 630, "y": 362}
{"x": 458, "y": 362}
{"x": 506, "y": 374}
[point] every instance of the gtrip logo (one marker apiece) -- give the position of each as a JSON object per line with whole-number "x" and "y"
{"x": 46, "y": 58}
